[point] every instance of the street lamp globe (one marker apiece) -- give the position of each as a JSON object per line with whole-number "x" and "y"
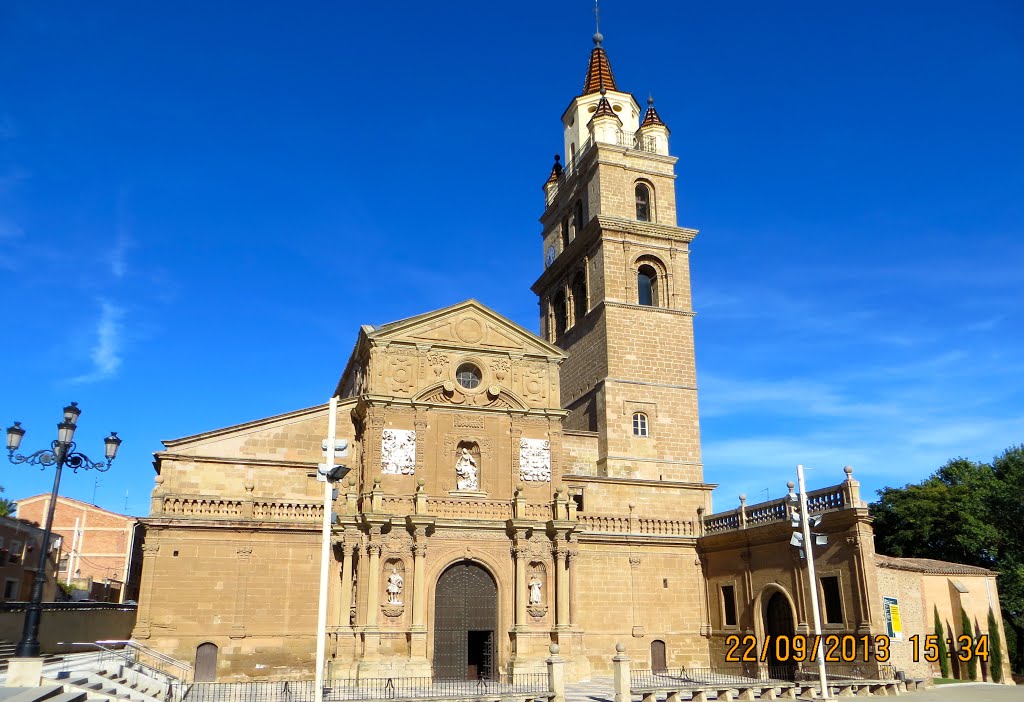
{"x": 111, "y": 444}
{"x": 66, "y": 429}
{"x": 14, "y": 434}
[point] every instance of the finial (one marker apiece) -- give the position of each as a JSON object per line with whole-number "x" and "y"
{"x": 603, "y": 91}
{"x": 849, "y": 472}
{"x": 598, "y": 37}
{"x": 650, "y": 100}
{"x": 790, "y": 485}
{"x": 557, "y": 158}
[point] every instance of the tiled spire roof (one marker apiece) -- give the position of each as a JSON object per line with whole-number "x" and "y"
{"x": 599, "y": 71}
{"x": 604, "y": 107}
{"x": 652, "y": 115}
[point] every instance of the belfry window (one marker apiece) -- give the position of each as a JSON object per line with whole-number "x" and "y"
{"x": 559, "y": 310}
{"x": 639, "y": 424}
{"x": 577, "y": 219}
{"x": 647, "y": 286}
{"x": 643, "y": 202}
{"x": 579, "y": 298}
{"x": 565, "y": 233}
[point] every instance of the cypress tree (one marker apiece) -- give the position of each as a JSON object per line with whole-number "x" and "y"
{"x": 972, "y": 661}
{"x": 995, "y": 648}
{"x": 943, "y": 652}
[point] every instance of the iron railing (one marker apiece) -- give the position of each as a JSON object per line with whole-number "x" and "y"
{"x": 698, "y": 677}
{"x": 422, "y": 688}
{"x": 151, "y": 658}
{"x": 754, "y": 673}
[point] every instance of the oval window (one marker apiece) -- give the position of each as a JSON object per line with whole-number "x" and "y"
{"x": 468, "y": 376}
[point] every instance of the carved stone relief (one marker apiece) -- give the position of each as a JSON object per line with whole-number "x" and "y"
{"x": 398, "y": 452}
{"x": 535, "y": 460}
{"x": 438, "y": 363}
{"x": 534, "y": 382}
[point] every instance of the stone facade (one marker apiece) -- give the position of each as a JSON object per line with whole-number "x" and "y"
{"x": 507, "y": 491}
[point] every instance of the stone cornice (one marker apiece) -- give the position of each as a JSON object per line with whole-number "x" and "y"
{"x": 243, "y": 460}
{"x": 673, "y": 484}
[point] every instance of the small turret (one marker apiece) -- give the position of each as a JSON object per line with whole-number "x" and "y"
{"x": 605, "y": 126}
{"x": 653, "y": 134}
{"x": 551, "y": 185}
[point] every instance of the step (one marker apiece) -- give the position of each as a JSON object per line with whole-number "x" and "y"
{"x": 69, "y": 697}
{"x": 34, "y": 694}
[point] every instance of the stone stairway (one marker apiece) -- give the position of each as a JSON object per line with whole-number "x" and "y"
{"x": 112, "y": 685}
{"x": 45, "y": 693}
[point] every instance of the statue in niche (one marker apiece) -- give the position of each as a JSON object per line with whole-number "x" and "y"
{"x": 535, "y": 588}
{"x": 395, "y": 585}
{"x": 465, "y": 470}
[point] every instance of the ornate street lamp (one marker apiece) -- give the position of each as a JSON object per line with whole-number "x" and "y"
{"x": 61, "y": 453}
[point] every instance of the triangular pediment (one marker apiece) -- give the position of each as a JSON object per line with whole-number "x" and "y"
{"x": 467, "y": 325}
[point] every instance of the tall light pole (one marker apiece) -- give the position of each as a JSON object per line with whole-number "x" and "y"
{"x": 61, "y": 453}
{"x": 329, "y": 474}
{"x": 806, "y": 543}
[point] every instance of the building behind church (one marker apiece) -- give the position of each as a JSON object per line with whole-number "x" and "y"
{"x": 508, "y": 490}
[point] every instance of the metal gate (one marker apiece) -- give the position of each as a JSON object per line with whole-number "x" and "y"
{"x": 465, "y": 623}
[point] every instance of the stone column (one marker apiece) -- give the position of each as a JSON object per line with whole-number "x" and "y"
{"x": 373, "y": 584}
{"x": 345, "y": 596}
{"x": 571, "y": 557}
{"x": 419, "y": 584}
{"x": 561, "y": 587}
{"x": 519, "y": 554}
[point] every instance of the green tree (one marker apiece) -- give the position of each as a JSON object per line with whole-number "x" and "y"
{"x": 7, "y": 507}
{"x": 972, "y": 662}
{"x": 965, "y": 512}
{"x": 995, "y": 649}
{"x": 943, "y": 653}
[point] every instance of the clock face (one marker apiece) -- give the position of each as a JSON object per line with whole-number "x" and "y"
{"x": 549, "y": 257}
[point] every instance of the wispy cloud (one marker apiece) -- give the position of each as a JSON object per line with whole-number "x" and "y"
{"x": 106, "y": 352}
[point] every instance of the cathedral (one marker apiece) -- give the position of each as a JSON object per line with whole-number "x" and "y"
{"x": 509, "y": 490}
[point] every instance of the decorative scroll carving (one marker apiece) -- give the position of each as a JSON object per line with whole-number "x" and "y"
{"x": 438, "y": 362}
{"x": 535, "y": 460}
{"x": 500, "y": 368}
{"x": 468, "y": 421}
{"x": 398, "y": 452}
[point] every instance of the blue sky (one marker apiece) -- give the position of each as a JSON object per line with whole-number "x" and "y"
{"x": 201, "y": 202}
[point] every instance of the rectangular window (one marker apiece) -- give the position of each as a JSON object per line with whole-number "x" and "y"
{"x": 10, "y": 589}
{"x": 15, "y": 556}
{"x": 577, "y": 497}
{"x": 833, "y": 600}
{"x": 729, "y": 604}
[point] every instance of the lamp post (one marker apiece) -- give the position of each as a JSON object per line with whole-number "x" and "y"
{"x": 329, "y": 474}
{"x": 61, "y": 453}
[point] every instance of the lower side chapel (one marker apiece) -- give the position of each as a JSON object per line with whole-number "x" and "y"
{"x": 507, "y": 490}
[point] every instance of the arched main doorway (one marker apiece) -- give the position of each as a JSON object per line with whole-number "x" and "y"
{"x": 465, "y": 623}
{"x": 778, "y": 622}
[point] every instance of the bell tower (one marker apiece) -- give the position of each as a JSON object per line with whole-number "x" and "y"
{"x": 615, "y": 291}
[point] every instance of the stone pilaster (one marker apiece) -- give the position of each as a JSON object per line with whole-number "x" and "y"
{"x": 241, "y": 580}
